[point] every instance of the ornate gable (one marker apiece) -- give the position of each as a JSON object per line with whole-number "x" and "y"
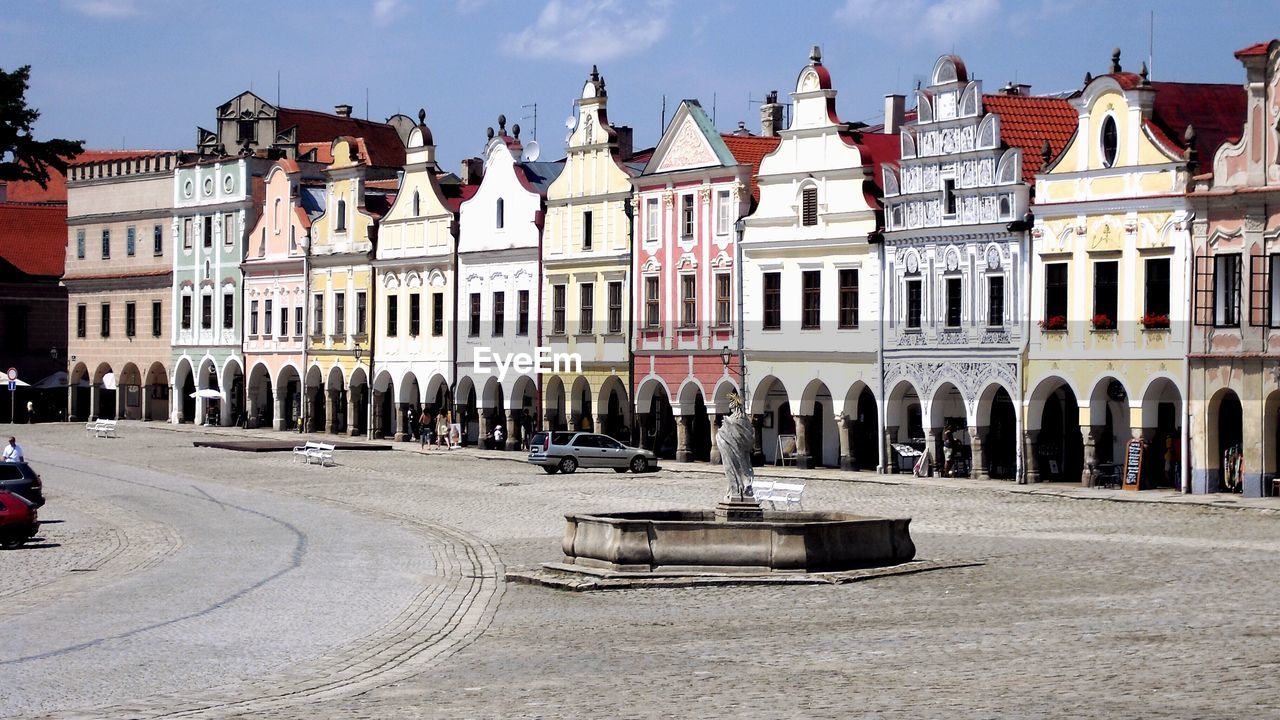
{"x": 688, "y": 149}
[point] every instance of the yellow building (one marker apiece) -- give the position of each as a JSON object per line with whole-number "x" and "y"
{"x": 340, "y": 288}
{"x": 1109, "y": 296}
{"x": 586, "y": 256}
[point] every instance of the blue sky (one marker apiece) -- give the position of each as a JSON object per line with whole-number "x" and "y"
{"x": 145, "y": 73}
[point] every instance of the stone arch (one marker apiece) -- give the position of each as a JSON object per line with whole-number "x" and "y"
{"x": 646, "y": 389}
{"x": 580, "y": 404}
{"x": 720, "y": 401}
{"x": 613, "y": 407}
{"x": 260, "y": 398}
{"x": 129, "y": 382}
{"x": 862, "y": 428}
{"x": 995, "y": 448}
{"x": 409, "y": 391}
{"x": 1056, "y": 444}
{"x": 688, "y": 394}
{"x": 289, "y": 391}
{"x": 1224, "y": 437}
{"x": 554, "y": 410}
{"x": 233, "y": 392}
{"x": 773, "y": 403}
{"x": 155, "y": 392}
{"x": 816, "y": 426}
{"x": 656, "y": 419}
{"x": 385, "y": 419}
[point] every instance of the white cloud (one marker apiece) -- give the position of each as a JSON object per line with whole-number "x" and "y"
{"x": 386, "y": 11}
{"x": 105, "y": 8}
{"x": 591, "y": 31}
{"x": 938, "y": 21}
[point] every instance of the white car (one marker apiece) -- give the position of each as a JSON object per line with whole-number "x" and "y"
{"x": 567, "y": 451}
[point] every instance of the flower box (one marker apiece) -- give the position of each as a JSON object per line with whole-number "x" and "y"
{"x": 1054, "y": 323}
{"x": 1153, "y": 321}
{"x": 1103, "y": 322}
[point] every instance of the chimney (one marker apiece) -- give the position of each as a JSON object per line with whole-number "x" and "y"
{"x": 626, "y": 147}
{"x": 472, "y": 171}
{"x": 342, "y": 110}
{"x": 894, "y": 108}
{"x": 770, "y": 115}
{"x": 1021, "y": 89}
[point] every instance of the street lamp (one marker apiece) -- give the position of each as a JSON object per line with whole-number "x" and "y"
{"x": 368, "y": 384}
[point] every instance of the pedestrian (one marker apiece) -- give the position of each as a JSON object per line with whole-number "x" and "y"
{"x": 31, "y": 412}
{"x": 424, "y": 427}
{"x": 13, "y": 451}
{"x": 442, "y": 431}
{"x": 498, "y": 436}
{"x": 948, "y": 452}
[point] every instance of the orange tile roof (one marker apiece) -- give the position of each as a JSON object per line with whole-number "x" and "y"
{"x": 93, "y": 156}
{"x": 1254, "y": 49}
{"x": 33, "y": 238}
{"x": 1026, "y": 121}
{"x": 750, "y": 150}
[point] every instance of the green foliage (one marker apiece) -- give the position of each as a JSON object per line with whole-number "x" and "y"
{"x": 22, "y": 157}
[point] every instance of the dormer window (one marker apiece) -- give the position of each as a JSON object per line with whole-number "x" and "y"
{"x": 809, "y": 206}
{"x": 1110, "y": 141}
{"x": 246, "y": 130}
{"x": 500, "y": 218}
{"x": 342, "y": 216}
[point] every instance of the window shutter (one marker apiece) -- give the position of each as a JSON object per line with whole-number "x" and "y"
{"x": 1202, "y": 312}
{"x": 1259, "y": 290}
{"x": 809, "y": 201}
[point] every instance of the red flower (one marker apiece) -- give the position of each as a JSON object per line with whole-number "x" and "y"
{"x": 1155, "y": 321}
{"x": 1054, "y": 322}
{"x": 1102, "y": 322}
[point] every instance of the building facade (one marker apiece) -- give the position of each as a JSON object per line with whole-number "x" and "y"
{"x": 955, "y": 268}
{"x": 119, "y": 284}
{"x": 586, "y": 267}
{"x": 1107, "y": 357}
{"x": 812, "y": 285}
{"x": 1235, "y": 338}
{"x": 499, "y": 278}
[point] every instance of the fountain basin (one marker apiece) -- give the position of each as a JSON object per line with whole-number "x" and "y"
{"x": 693, "y": 540}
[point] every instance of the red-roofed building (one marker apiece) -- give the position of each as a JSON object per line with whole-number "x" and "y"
{"x": 1235, "y": 340}
{"x": 954, "y": 262}
{"x": 810, "y": 283}
{"x": 1112, "y": 248}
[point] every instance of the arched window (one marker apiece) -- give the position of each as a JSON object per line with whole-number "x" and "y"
{"x": 342, "y": 216}
{"x": 501, "y": 212}
{"x": 417, "y": 206}
{"x": 809, "y": 206}
{"x": 1110, "y": 141}
{"x": 276, "y": 217}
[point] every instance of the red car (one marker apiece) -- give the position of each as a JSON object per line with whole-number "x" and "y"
{"x": 18, "y": 522}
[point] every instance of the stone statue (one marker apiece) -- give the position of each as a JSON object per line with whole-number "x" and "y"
{"x": 735, "y": 440}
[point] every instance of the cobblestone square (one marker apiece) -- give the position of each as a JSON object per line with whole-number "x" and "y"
{"x": 181, "y": 581}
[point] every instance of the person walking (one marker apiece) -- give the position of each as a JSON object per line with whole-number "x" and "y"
{"x": 12, "y": 451}
{"x": 424, "y": 428}
{"x": 442, "y": 431}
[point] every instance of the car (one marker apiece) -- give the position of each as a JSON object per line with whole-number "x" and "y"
{"x": 21, "y": 479}
{"x": 567, "y": 451}
{"x": 18, "y": 520}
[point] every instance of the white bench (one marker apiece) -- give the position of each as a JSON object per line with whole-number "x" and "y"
{"x": 773, "y": 492}
{"x": 318, "y": 451}
{"x": 101, "y": 428}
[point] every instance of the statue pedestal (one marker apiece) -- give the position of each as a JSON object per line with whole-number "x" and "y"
{"x": 739, "y": 510}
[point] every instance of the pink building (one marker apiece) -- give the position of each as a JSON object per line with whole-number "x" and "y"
{"x": 694, "y": 189}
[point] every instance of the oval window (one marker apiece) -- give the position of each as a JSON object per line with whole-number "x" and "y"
{"x": 1110, "y": 141}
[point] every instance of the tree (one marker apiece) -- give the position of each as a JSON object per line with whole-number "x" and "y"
{"x": 22, "y": 157}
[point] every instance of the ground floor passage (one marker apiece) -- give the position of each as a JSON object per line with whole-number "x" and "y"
{"x": 1235, "y": 438}
{"x": 130, "y": 391}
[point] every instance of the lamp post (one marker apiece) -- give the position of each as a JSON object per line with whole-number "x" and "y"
{"x": 368, "y": 384}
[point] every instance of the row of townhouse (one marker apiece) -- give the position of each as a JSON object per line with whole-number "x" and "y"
{"x": 1032, "y": 281}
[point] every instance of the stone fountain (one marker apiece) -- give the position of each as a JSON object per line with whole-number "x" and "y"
{"x": 738, "y": 536}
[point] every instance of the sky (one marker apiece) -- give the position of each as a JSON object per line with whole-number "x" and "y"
{"x": 146, "y": 73}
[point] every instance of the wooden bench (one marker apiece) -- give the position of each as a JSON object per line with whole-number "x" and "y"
{"x": 773, "y": 492}
{"x": 318, "y": 451}
{"x": 101, "y": 428}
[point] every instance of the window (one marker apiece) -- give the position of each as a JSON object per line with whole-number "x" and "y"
{"x": 724, "y": 213}
{"x": 1226, "y": 290}
{"x": 587, "y": 308}
{"x": 156, "y": 318}
{"x": 557, "y": 309}
{"x": 522, "y": 312}
{"x": 207, "y": 224}
{"x": 1110, "y": 141}
{"x": 949, "y": 196}
{"x": 80, "y": 244}
{"x": 587, "y": 228}
{"x": 500, "y": 213}
{"x": 1106, "y": 293}
{"x": 615, "y": 307}
{"x": 284, "y": 322}
{"x": 688, "y": 301}
{"x": 297, "y": 321}
{"x": 246, "y": 130}
{"x": 772, "y": 311}
{"x": 206, "y": 312}
{"x": 651, "y": 302}
{"x": 362, "y": 312}
{"x": 228, "y": 309}
{"x": 1156, "y": 301}
{"x": 686, "y": 216}
{"x": 474, "y": 329}
{"x": 340, "y": 314}
{"x": 915, "y": 303}
{"x": 723, "y": 300}
{"x": 130, "y": 319}
{"x": 267, "y": 318}
{"x": 955, "y": 300}
{"x": 157, "y": 241}
{"x": 185, "y": 318}
{"x": 811, "y": 291}
{"x": 106, "y": 244}
{"x": 317, "y": 314}
{"x": 848, "y": 299}
{"x": 995, "y": 300}
{"x": 393, "y": 315}
{"x": 1055, "y": 294}
{"x": 130, "y": 240}
{"x": 293, "y": 239}
{"x": 417, "y": 204}
{"x": 106, "y": 320}
{"x": 437, "y": 314}
{"x": 82, "y": 313}
{"x": 277, "y": 216}
{"x": 653, "y": 225}
{"x": 809, "y": 206}
{"x": 186, "y": 233}
{"x": 341, "y": 225}
{"x": 253, "y": 317}
{"x": 229, "y": 229}
{"x": 499, "y": 313}
{"x": 415, "y": 314}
